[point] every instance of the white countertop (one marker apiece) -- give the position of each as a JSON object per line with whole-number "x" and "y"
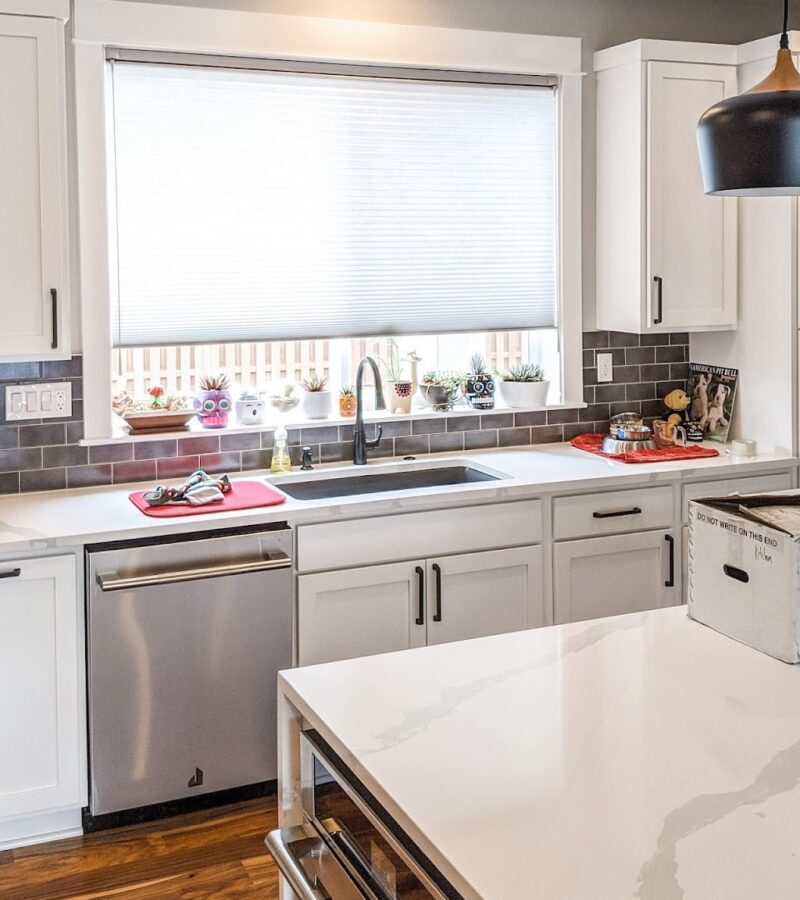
{"x": 38, "y": 521}
{"x": 643, "y": 756}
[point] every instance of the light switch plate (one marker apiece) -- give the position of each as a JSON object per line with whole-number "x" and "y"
{"x": 605, "y": 367}
{"x": 38, "y": 401}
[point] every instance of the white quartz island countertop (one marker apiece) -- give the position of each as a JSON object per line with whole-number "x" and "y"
{"x": 644, "y": 756}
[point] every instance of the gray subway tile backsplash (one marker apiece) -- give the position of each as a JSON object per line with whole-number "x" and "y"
{"x": 45, "y": 455}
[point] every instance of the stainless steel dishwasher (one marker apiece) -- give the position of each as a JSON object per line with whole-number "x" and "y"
{"x": 185, "y": 639}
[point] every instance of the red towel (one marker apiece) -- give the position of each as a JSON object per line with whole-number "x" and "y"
{"x": 592, "y": 443}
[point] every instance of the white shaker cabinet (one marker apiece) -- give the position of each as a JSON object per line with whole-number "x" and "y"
{"x": 358, "y": 612}
{"x": 378, "y": 609}
{"x": 478, "y": 594}
{"x": 608, "y": 576}
{"x": 666, "y": 252}
{"x": 40, "y": 706}
{"x": 34, "y": 272}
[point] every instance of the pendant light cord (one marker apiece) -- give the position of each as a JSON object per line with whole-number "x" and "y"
{"x": 784, "y": 34}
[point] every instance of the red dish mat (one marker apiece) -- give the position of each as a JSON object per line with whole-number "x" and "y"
{"x": 591, "y": 443}
{"x": 243, "y": 495}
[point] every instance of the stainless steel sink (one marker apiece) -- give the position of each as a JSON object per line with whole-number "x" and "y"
{"x": 348, "y": 485}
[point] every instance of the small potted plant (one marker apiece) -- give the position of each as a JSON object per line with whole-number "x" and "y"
{"x": 213, "y": 403}
{"x": 316, "y": 399}
{"x": 249, "y": 409}
{"x": 479, "y": 384}
{"x": 440, "y": 389}
{"x": 347, "y": 402}
{"x": 397, "y": 389}
{"x": 524, "y": 386}
{"x": 159, "y": 412}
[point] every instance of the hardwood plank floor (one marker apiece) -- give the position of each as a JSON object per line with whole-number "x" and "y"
{"x": 216, "y": 853}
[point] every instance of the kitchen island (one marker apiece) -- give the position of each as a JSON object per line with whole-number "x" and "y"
{"x": 642, "y": 756}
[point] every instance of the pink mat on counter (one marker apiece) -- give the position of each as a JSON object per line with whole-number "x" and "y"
{"x": 592, "y": 443}
{"x": 243, "y": 495}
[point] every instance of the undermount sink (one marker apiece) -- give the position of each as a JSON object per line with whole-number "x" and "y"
{"x": 348, "y": 485}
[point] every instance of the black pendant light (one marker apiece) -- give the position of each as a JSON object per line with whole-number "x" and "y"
{"x": 750, "y": 144}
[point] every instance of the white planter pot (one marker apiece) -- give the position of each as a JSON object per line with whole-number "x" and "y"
{"x": 249, "y": 412}
{"x": 317, "y": 404}
{"x": 520, "y": 394}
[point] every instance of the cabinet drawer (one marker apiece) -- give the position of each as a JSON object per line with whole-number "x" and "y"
{"x": 613, "y": 512}
{"x": 753, "y": 484}
{"x": 360, "y": 542}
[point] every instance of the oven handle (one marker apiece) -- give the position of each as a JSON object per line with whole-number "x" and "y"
{"x": 278, "y": 560}
{"x": 277, "y": 844}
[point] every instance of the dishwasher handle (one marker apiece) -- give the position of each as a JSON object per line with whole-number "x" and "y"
{"x": 115, "y": 582}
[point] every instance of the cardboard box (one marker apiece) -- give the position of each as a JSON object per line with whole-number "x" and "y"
{"x": 744, "y": 570}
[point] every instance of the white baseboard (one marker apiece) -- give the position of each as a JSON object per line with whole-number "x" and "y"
{"x": 22, "y": 831}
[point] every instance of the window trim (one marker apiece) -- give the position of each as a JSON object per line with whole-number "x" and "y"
{"x": 121, "y": 27}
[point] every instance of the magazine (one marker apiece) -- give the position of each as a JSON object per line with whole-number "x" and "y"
{"x": 712, "y": 391}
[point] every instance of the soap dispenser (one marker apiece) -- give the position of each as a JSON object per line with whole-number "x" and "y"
{"x": 281, "y": 463}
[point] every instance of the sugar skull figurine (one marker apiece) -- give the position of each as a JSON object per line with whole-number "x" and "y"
{"x": 213, "y": 404}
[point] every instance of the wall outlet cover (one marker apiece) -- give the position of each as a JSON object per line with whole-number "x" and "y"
{"x": 605, "y": 367}
{"x": 38, "y": 401}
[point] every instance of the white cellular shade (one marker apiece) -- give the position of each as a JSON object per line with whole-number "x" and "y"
{"x": 262, "y": 205}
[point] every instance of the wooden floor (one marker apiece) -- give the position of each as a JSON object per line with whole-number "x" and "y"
{"x": 216, "y": 853}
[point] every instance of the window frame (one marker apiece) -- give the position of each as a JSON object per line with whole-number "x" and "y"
{"x": 119, "y": 27}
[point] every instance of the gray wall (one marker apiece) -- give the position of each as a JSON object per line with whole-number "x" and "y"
{"x": 600, "y": 23}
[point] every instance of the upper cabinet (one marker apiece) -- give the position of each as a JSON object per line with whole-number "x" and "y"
{"x": 34, "y": 271}
{"x": 666, "y": 253}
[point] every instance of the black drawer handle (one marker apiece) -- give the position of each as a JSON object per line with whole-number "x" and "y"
{"x": 658, "y": 318}
{"x": 54, "y": 303}
{"x": 633, "y": 511}
{"x": 437, "y": 616}
{"x": 420, "y": 620}
{"x": 670, "y": 582}
{"x": 736, "y": 574}
{"x": 11, "y": 573}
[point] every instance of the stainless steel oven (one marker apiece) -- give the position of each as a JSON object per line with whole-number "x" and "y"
{"x": 348, "y": 847}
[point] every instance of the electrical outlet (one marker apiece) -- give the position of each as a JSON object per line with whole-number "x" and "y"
{"x": 605, "y": 367}
{"x": 38, "y": 401}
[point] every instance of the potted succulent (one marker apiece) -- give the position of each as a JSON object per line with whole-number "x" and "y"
{"x": 440, "y": 389}
{"x": 286, "y": 400}
{"x": 523, "y": 386}
{"x": 479, "y": 385}
{"x": 213, "y": 403}
{"x": 347, "y": 402}
{"x": 249, "y": 409}
{"x": 397, "y": 389}
{"x": 159, "y": 412}
{"x": 316, "y": 399}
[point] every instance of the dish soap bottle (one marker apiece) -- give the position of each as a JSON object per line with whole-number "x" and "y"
{"x": 281, "y": 463}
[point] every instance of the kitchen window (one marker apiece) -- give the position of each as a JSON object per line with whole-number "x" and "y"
{"x": 271, "y": 210}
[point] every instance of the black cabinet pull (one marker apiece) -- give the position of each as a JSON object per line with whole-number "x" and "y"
{"x": 420, "y": 620}
{"x": 659, "y": 316}
{"x": 437, "y": 616}
{"x": 54, "y": 303}
{"x": 670, "y": 582}
{"x": 633, "y": 511}
{"x": 736, "y": 574}
{"x": 11, "y": 573}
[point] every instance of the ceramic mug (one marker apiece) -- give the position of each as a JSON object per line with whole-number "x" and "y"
{"x": 666, "y": 435}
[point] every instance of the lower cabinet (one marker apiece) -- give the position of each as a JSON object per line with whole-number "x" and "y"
{"x": 608, "y": 576}
{"x": 378, "y": 609}
{"x": 358, "y": 612}
{"x": 39, "y": 693}
{"x": 478, "y": 594}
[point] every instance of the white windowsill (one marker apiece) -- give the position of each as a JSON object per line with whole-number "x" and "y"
{"x": 297, "y": 420}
